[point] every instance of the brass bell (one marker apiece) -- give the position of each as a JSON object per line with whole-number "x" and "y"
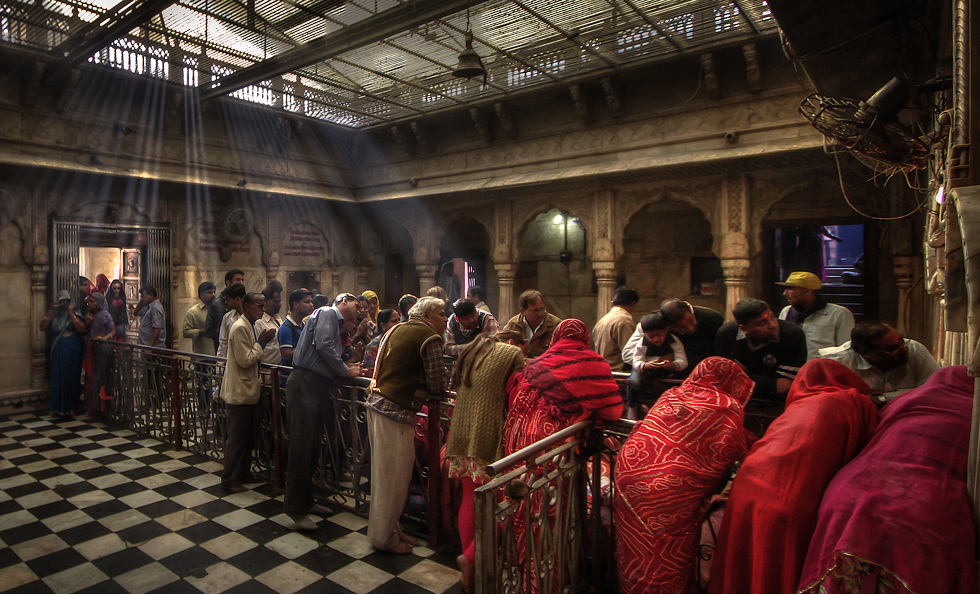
{"x": 470, "y": 64}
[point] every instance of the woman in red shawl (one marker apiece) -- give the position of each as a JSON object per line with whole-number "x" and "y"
{"x": 669, "y": 465}
{"x": 898, "y": 518}
{"x": 772, "y": 511}
{"x": 568, "y": 383}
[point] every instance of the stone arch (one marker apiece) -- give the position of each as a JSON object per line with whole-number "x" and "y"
{"x": 704, "y": 197}
{"x": 467, "y": 237}
{"x": 668, "y": 249}
{"x": 524, "y": 217}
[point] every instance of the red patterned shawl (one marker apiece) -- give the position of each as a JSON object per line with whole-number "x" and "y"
{"x": 772, "y": 511}
{"x": 667, "y": 468}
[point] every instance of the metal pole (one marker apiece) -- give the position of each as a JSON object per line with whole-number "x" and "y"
{"x": 175, "y": 388}
{"x": 277, "y": 429}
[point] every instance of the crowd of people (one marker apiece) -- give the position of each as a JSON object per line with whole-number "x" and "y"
{"x": 791, "y": 400}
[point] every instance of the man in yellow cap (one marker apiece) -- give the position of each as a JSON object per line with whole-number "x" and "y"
{"x": 825, "y": 324}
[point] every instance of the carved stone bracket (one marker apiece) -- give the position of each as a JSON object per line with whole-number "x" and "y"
{"x": 484, "y": 127}
{"x": 31, "y": 87}
{"x": 403, "y": 139}
{"x": 752, "y": 71}
{"x": 709, "y": 77}
{"x": 581, "y": 103}
{"x": 67, "y": 91}
{"x": 612, "y": 98}
{"x": 506, "y": 118}
{"x": 422, "y": 137}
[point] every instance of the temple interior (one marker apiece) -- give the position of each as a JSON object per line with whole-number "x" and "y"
{"x": 698, "y": 149}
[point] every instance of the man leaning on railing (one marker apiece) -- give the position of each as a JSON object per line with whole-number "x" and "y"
{"x": 310, "y": 390}
{"x": 409, "y": 366}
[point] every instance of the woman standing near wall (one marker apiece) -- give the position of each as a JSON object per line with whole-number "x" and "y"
{"x": 116, "y": 304}
{"x": 65, "y": 329}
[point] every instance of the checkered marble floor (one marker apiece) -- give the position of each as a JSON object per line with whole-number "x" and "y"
{"x": 86, "y": 509}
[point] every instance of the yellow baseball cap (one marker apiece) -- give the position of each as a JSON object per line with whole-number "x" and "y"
{"x": 806, "y": 280}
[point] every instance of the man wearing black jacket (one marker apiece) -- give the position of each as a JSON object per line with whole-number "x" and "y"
{"x": 770, "y": 350}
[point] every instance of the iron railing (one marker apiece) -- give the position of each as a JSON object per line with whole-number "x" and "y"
{"x": 169, "y": 395}
{"x": 560, "y": 487}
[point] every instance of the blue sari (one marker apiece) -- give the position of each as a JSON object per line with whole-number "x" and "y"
{"x": 67, "y": 353}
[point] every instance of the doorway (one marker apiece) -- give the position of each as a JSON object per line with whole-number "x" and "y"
{"x": 838, "y": 254}
{"x": 135, "y": 254}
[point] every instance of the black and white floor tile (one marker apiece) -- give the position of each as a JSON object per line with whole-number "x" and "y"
{"x": 85, "y": 509}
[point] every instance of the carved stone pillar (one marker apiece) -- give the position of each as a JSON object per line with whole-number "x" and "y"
{"x": 605, "y": 273}
{"x": 39, "y": 306}
{"x": 905, "y": 280}
{"x": 362, "y": 278}
{"x": 427, "y": 276}
{"x": 330, "y": 282}
{"x": 506, "y": 273}
{"x": 736, "y": 280}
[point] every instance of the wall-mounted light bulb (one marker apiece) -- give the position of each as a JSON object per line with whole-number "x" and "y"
{"x": 559, "y": 219}
{"x": 939, "y": 195}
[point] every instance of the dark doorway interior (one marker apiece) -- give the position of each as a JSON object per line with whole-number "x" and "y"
{"x": 838, "y": 254}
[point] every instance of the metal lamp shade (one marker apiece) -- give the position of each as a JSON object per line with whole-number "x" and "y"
{"x": 470, "y": 64}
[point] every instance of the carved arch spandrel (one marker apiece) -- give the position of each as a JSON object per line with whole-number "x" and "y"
{"x": 767, "y": 191}
{"x": 704, "y": 196}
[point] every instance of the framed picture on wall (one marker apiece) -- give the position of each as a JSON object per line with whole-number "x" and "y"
{"x": 131, "y": 265}
{"x": 132, "y": 288}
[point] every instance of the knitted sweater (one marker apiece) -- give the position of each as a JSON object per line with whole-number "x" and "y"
{"x": 478, "y": 419}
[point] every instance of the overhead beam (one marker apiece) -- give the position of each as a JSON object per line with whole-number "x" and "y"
{"x": 656, "y": 25}
{"x": 371, "y": 30}
{"x": 745, "y": 15}
{"x": 118, "y": 21}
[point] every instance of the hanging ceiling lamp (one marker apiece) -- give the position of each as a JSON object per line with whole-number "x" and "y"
{"x": 470, "y": 64}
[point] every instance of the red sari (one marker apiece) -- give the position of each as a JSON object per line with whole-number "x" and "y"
{"x": 772, "y": 512}
{"x": 567, "y": 384}
{"x": 898, "y": 517}
{"x": 669, "y": 465}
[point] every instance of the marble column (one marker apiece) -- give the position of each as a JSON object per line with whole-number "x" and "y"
{"x": 736, "y": 272}
{"x": 39, "y": 306}
{"x": 427, "y": 277}
{"x": 506, "y": 273}
{"x": 605, "y": 273}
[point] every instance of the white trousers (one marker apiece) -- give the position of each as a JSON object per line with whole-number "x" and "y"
{"x": 392, "y": 460}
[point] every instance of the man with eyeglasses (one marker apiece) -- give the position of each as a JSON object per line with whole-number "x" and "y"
{"x": 887, "y": 361}
{"x": 534, "y": 323}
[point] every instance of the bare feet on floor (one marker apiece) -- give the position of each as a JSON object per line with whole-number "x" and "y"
{"x": 408, "y": 539}
{"x": 466, "y": 579}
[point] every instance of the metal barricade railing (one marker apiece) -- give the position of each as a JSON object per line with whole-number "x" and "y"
{"x": 561, "y": 488}
{"x": 169, "y": 395}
